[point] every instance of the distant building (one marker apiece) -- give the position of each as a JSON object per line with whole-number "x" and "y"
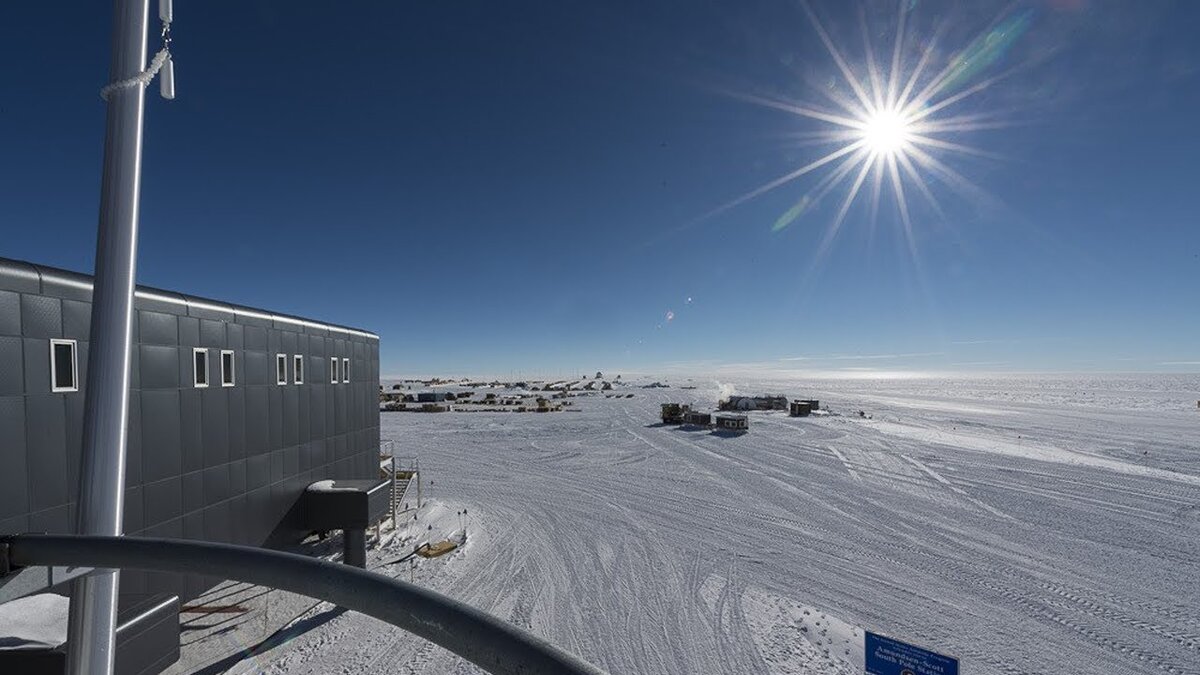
{"x": 698, "y": 418}
{"x": 732, "y": 423}
{"x": 431, "y": 397}
{"x": 799, "y": 409}
{"x": 754, "y": 403}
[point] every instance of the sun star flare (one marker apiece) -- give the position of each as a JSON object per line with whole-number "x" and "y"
{"x": 892, "y": 124}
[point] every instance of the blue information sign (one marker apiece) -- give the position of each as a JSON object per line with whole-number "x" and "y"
{"x": 885, "y": 656}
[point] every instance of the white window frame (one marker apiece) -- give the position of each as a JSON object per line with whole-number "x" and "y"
{"x": 196, "y": 371}
{"x": 232, "y": 368}
{"x": 281, "y": 373}
{"x": 345, "y": 371}
{"x": 333, "y": 370}
{"x": 74, "y": 366}
{"x": 297, "y": 369}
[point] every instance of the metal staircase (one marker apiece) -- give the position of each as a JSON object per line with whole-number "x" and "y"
{"x": 404, "y": 472}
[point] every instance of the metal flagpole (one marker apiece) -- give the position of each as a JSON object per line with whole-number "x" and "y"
{"x": 91, "y": 639}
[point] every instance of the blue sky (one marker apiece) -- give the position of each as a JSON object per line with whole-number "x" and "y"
{"x": 532, "y": 187}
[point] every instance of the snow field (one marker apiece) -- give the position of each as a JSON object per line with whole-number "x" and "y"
{"x": 1024, "y": 526}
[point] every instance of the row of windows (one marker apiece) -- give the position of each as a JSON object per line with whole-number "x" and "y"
{"x": 64, "y": 367}
{"x": 229, "y": 377}
{"x": 335, "y": 374}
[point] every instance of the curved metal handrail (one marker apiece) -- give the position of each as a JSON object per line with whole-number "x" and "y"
{"x": 488, "y": 642}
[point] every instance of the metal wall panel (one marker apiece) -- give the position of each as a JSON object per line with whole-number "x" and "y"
{"x": 287, "y": 343}
{"x": 212, "y": 333}
{"x": 157, "y": 328}
{"x": 133, "y": 443}
{"x": 216, "y": 484}
{"x": 53, "y": 520}
{"x": 77, "y": 319}
{"x": 73, "y": 430}
{"x": 10, "y": 313}
{"x": 214, "y": 409}
{"x": 258, "y": 471}
{"x": 163, "y": 500}
{"x": 14, "y": 490}
{"x": 189, "y": 331}
{"x": 291, "y": 461}
{"x": 277, "y": 472}
{"x": 234, "y": 336}
{"x": 193, "y": 492}
{"x": 259, "y": 366}
{"x": 162, "y": 452}
{"x": 303, "y": 422}
{"x": 12, "y": 367}
{"x": 275, "y": 417}
{"x": 46, "y": 450}
{"x": 190, "y": 438}
{"x": 36, "y": 358}
{"x": 291, "y": 416}
{"x": 41, "y": 317}
{"x": 237, "y": 477}
{"x": 255, "y": 337}
{"x": 159, "y": 367}
{"x": 316, "y": 411}
{"x": 134, "y": 511}
{"x": 273, "y": 344}
{"x": 237, "y": 423}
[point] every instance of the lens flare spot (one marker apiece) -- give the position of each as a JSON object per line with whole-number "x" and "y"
{"x": 793, "y": 214}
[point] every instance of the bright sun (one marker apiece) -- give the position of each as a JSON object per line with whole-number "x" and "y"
{"x": 889, "y": 121}
{"x": 886, "y": 133}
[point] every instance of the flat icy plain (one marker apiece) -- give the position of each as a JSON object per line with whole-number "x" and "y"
{"x": 1023, "y": 525}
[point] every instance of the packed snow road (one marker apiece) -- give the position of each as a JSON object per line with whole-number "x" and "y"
{"x": 1043, "y": 533}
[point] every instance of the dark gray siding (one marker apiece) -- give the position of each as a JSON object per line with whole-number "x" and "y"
{"x": 219, "y": 463}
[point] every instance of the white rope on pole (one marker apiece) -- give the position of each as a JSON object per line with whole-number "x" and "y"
{"x": 161, "y": 60}
{"x": 141, "y": 79}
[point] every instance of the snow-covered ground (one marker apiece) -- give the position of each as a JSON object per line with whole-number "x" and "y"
{"x": 1024, "y": 525}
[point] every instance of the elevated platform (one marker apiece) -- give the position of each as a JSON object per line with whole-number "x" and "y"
{"x": 350, "y": 506}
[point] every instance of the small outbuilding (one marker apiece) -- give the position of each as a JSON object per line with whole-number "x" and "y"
{"x": 799, "y": 408}
{"x": 732, "y": 423}
{"x": 698, "y": 418}
{"x": 813, "y": 404}
{"x": 431, "y": 397}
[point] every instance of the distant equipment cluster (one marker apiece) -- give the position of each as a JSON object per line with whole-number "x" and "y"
{"x": 728, "y": 421}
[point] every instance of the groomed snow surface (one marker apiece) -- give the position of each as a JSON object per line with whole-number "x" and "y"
{"x": 1022, "y": 525}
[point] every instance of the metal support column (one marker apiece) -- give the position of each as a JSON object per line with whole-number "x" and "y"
{"x": 354, "y": 546}
{"x": 93, "y": 612}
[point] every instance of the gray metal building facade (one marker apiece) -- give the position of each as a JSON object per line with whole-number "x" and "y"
{"x": 220, "y": 461}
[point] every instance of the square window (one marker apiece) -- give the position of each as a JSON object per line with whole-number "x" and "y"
{"x": 298, "y": 369}
{"x": 199, "y": 367}
{"x": 281, "y": 369}
{"x": 227, "y": 365}
{"x": 346, "y": 370}
{"x": 333, "y": 370}
{"x": 64, "y": 369}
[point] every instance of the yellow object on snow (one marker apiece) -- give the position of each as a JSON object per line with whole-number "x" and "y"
{"x": 435, "y": 550}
